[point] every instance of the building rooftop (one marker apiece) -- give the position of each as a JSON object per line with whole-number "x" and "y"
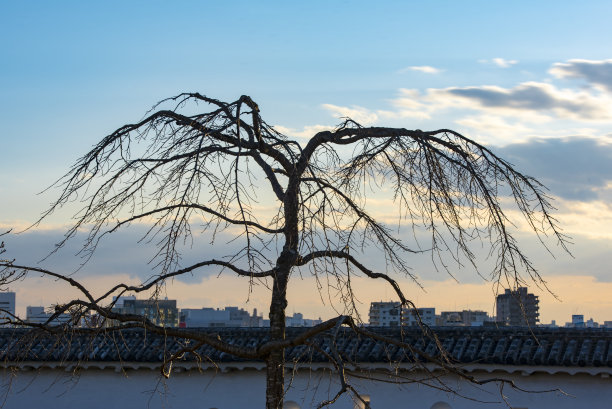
{"x": 509, "y": 346}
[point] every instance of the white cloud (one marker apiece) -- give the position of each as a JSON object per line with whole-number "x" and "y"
{"x": 305, "y": 133}
{"x": 427, "y": 69}
{"x": 501, "y": 115}
{"x": 500, "y": 62}
{"x": 494, "y": 129}
{"x": 359, "y": 114}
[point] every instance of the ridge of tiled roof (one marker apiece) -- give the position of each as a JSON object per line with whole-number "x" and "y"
{"x": 506, "y": 346}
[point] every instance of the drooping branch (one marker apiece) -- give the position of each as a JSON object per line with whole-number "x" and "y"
{"x": 197, "y": 207}
{"x": 332, "y": 254}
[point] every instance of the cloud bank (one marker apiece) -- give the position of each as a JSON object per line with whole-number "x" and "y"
{"x": 597, "y": 73}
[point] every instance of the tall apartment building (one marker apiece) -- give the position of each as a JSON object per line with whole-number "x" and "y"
{"x": 7, "y": 306}
{"x": 518, "y": 308}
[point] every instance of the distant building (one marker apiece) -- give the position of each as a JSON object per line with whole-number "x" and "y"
{"x": 161, "y": 312}
{"x": 215, "y": 317}
{"x": 7, "y": 307}
{"x": 465, "y": 318}
{"x": 553, "y": 324}
{"x": 385, "y": 314}
{"x": 518, "y": 308}
{"x": 37, "y": 315}
{"x": 411, "y": 316}
{"x": 578, "y": 321}
{"x": 391, "y": 314}
{"x": 298, "y": 320}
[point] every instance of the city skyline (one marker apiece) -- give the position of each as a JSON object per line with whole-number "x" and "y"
{"x": 511, "y": 76}
{"x": 41, "y": 313}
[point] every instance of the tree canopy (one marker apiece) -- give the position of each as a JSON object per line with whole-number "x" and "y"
{"x": 183, "y": 169}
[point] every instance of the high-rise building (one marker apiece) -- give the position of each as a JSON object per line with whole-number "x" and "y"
{"x": 518, "y": 308}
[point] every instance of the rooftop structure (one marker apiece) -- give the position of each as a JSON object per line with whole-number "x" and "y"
{"x": 508, "y": 346}
{"x": 578, "y": 362}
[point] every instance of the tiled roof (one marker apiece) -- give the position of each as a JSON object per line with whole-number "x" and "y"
{"x": 509, "y": 346}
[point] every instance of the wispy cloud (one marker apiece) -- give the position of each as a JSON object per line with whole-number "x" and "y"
{"x": 500, "y": 62}
{"x": 427, "y": 69}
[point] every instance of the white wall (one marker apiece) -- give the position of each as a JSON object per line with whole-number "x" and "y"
{"x": 104, "y": 389}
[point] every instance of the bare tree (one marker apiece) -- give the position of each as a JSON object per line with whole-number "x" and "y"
{"x": 177, "y": 170}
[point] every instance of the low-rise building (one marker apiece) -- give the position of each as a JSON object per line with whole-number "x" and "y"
{"x": 161, "y": 312}
{"x": 579, "y": 322}
{"x": 464, "y": 318}
{"x": 215, "y": 317}
{"x": 37, "y": 315}
{"x": 416, "y": 316}
{"x": 392, "y": 314}
{"x": 385, "y": 314}
{"x": 298, "y": 320}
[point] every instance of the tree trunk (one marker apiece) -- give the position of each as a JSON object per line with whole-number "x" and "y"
{"x": 275, "y": 362}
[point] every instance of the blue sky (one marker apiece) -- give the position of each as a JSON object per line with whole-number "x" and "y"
{"x": 533, "y": 79}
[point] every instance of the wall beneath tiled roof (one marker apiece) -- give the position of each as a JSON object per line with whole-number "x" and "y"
{"x": 229, "y": 388}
